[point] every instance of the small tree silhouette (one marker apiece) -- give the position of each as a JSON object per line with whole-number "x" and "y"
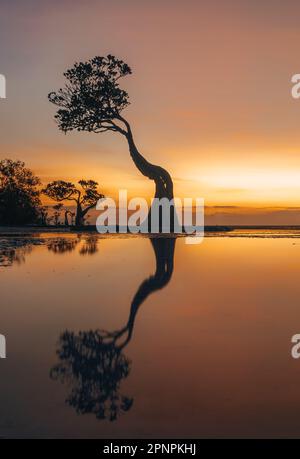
{"x": 93, "y": 101}
{"x": 44, "y": 216}
{"x": 85, "y": 198}
{"x": 72, "y": 215}
{"x": 19, "y": 194}
{"x": 57, "y": 209}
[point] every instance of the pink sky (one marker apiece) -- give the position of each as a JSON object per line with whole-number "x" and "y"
{"x": 210, "y": 95}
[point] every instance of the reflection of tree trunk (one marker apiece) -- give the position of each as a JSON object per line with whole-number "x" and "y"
{"x": 93, "y": 363}
{"x": 164, "y": 249}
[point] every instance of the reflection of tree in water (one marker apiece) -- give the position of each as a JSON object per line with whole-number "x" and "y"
{"x": 62, "y": 245}
{"x": 93, "y": 362}
{"x": 14, "y": 250}
{"x": 95, "y": 367}
{"x": 90, "y": 245}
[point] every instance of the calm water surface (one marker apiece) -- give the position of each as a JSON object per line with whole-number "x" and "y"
{"x": 124, "y": 337}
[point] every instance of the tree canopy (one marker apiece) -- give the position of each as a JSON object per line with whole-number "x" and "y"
{"x": 94, "y": 369}
{"x": 85, "y": 197}
{"x": 19, "y": 194}
{"x": 92, "y": 99}
{"x": 59, "y": 190}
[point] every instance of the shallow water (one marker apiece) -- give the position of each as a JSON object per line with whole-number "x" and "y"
{"x": 106, "y": 340}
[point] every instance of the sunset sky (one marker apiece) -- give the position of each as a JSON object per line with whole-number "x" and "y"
{"x": 210, "y": 97}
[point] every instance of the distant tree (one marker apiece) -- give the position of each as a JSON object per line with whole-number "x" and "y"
{"x": 57, "y": 210}
{"x": 87, "y": 222}
{"x": 71, "y": 214}
{"x": 93, "y": 101}
{"x": 84, "y": 198}
{"x": 44, "y": 216}
{"x": 19, "y": 194}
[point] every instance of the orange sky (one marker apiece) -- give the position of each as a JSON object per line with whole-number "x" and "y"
{"x": 210, "y": 94}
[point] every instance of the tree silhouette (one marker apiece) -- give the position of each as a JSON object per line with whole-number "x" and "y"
{"x": 19, "y": 195}
{"x": 92, "y": 362}
{"x": 72, "y": 215}
{"x": 44, "y": 216}
{"x": 93, "y": 101}
{"x": 60, "y": 208}
{"x": 85, "y": 198}
{"x": 57, "y": 209}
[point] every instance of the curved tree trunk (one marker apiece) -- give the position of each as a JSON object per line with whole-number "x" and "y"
{"x": 161, "y": 177}
{"x": 81, "y": 213}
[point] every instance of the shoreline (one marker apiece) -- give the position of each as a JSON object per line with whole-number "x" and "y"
{"x": 209, "y": 231}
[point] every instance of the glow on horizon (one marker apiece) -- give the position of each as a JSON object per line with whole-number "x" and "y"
{"x": 252, "y": 188}
{"x": 210, "y": 95}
